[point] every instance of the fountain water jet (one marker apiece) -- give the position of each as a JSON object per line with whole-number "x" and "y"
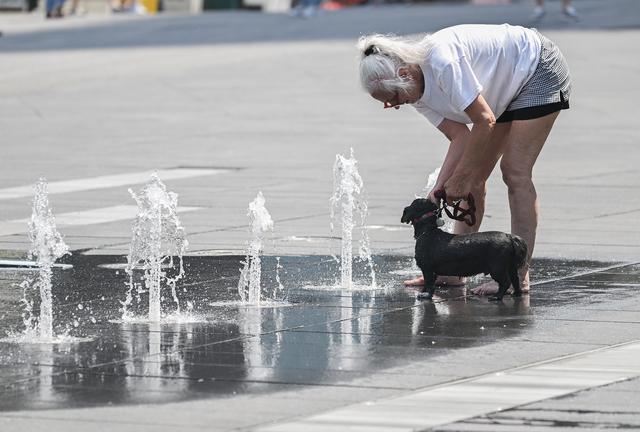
{"x": 158, "y": 236}
{"x": 47, "y": 246}
{"x": 348, "y": 196}
{"x": 431, "y": 183}
{"x": 250, "y": 274}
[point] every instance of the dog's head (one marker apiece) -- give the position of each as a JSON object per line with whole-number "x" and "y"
{"x": 419, "y": 208}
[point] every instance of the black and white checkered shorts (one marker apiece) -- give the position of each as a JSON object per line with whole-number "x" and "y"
{"x": 547, "y": 90}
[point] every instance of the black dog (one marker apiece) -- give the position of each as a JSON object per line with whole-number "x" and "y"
{"x": 440, "y": 253}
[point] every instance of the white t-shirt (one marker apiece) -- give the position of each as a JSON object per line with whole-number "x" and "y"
{"x": 467, "y": 60}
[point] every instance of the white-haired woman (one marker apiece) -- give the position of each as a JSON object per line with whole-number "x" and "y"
{"x": 508, "y": 83}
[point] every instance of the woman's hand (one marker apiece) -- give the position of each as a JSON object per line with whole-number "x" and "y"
{"x": 459, "y": 188}
{"x": 431, "y": 197}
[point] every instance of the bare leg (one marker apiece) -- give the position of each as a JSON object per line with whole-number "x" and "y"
{"x": 517, "y": 169}
{"x": 462, "y": 228}
{"x": 458, "y": 228}
{"x": 525, "y": 141}
{"x": 500, "y": 134}
{"x": 419, "y": 281}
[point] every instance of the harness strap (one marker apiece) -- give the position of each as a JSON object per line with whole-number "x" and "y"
{"x": 426, "y": 216}
{"x": 459, "y": 213}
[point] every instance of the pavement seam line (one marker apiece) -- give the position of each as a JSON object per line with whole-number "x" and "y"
{"x": 520, "y": 407}
{"x": 529, "y": 365}
{"x": 505, "y": 372}
{"x": 586, "y": 272}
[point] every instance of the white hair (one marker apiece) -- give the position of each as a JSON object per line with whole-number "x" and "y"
{"x": 383, "y": 55}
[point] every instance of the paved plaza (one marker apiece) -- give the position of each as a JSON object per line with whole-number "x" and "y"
{"x": 226, "y": 104}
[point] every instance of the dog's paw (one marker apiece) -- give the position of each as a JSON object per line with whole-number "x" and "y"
{"x": 424, "y": 296}
{"x": 495, "y": 298}
{"x": 517, "y": 294}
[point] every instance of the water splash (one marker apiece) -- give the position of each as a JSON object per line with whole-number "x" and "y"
{"x": 278, "y": 289}
{"x": 47, "y": 246}
{"x": 347, "y": 198}
{"x": 250, "y": 274}
{"x": 158, "y": 236}
{"x": 449, "y": 224}
{"x": 431, "y": 183}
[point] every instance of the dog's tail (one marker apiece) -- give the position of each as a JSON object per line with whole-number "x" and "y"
{"x": 519, "y": 250}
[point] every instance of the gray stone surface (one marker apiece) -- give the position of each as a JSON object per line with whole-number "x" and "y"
{"x": 613, "y": 406}
{"x": 277, "y": 98}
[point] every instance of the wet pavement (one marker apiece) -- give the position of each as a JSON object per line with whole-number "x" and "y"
{"x": 315, "y": 335}
{"x": 96, "y": 103}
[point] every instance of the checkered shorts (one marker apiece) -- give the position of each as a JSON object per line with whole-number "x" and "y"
{"x": 549, "y": 84}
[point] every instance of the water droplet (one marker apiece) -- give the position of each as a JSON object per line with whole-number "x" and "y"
{"x": 80, "y": 306}
{"x": 76, "y": 323}
{"x": 93, "y": 320}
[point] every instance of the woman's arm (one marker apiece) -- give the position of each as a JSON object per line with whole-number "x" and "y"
{"x": 458, "y": 135}
{"x": 476, "y": 162}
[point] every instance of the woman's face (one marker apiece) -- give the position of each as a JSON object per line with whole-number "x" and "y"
{"x": 395, "y": 99}
{"x": 410, "y": 95}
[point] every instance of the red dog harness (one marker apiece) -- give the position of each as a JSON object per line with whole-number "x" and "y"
{"x": 459, "y": 213}
{"x": 427, "y": 216}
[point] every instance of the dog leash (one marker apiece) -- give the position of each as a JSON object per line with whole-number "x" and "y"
{"x": 459, "y": 213}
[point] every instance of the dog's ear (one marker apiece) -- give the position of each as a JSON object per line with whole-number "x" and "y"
{"x": 406, "y": 215}
{"x": 431, "y": 205}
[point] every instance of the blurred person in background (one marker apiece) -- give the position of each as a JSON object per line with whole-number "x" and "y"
{"x": 123, "y": 6}
{"x": 567, "y": 9}
{"x": 306, "y": 8}
{"x": 54, "y": 8}
{"x": 75, "y": 8}
{"x": 508, "y": 82}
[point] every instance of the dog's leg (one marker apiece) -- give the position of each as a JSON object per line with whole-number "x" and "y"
{"x": 503, "y": 284}
{"x": 515, "y": 280}
{"x": 429, "y": 285}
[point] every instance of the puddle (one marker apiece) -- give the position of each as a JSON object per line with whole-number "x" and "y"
{"x": 321, "y": 334}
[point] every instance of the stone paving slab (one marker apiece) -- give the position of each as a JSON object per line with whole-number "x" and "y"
{"x": 613, "y": 406}
{"x": 330, "y": 349}
{"x": 199, "y": 120}
{"x": 274, "y": 103}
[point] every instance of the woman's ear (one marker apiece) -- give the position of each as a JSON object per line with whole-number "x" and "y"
{"x": 403, "y": 72}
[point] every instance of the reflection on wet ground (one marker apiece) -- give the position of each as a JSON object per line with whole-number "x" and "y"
{"x": 321, "y": 336}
